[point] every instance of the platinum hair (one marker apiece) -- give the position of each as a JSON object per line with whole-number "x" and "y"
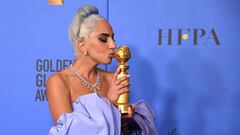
{"x": 82, "y": 25}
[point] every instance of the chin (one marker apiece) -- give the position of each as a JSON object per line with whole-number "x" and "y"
{"x": 109, "y": 61}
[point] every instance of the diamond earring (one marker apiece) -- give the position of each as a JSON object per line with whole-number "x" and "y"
{"x": 86, "y": 53}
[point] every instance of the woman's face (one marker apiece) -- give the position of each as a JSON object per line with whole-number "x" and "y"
{"x": 100, "y": 44}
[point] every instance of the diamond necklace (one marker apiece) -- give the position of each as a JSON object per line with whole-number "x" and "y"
{"x": 94, "y": 86}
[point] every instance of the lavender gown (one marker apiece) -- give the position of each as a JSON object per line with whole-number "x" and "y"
{"x": 95, "y": 115}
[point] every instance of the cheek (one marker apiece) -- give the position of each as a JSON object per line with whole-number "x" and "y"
{"x": 98, "y": 51}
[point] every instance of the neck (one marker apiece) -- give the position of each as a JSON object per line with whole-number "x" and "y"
{"x": 85, "y": 67}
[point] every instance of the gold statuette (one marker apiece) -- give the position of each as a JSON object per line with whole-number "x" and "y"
{"x": 122, "y": 55}
{"x": 55, "y": 2}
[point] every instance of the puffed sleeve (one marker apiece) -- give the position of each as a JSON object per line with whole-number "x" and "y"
{"x": 91, "y": 116}
{"x": 74, "y": 124}
{"x": 144, "y": 118}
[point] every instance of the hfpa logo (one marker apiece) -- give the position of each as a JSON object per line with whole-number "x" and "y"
{"x": 195, "y": 36}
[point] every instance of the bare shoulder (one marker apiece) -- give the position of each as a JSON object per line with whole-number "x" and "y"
{"x": 108, "y": 75}
{"x": 58, "y": 84}
{"x": 57, "y": 79}
{"x": 58, "y": 94}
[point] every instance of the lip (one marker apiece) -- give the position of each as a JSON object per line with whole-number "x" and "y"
{"x": 112, "y": 54}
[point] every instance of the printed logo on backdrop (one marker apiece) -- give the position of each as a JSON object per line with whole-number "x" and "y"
{"x": 188, "y": 36}
{"x": 44, "y": 68}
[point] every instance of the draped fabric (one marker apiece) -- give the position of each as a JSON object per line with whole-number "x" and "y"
{"x": 144, "y": 117}
{"x": 95, "y": 115}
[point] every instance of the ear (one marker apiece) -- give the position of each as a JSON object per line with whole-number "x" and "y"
{"x": 81, "y": 46}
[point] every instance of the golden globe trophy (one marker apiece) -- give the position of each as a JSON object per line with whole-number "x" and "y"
{"x": 122, "y": 55}
{"x": 55, "y": 2}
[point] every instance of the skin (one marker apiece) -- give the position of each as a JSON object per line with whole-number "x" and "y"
{"x": 63, "y": 88}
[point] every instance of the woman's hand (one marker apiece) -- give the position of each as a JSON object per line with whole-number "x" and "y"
{"x": 129, "y": 115}
{"x": 127, "y": 122}
{"x": 117, "y": 87}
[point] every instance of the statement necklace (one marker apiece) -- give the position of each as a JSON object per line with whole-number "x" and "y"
{"x": 94, "y": 86}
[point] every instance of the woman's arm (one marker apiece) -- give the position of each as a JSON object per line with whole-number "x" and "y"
{"x": 58, "y": 95}
{"x": 91, "y": 114}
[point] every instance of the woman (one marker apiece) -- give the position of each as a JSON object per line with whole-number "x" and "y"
{"x": 81, "y": 97}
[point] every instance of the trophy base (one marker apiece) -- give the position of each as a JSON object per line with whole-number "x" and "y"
{"x": 123, "y": 108}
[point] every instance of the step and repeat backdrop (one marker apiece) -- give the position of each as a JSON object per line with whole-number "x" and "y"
{"x": 185, "y": 61}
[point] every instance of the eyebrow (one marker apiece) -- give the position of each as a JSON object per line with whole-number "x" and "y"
{"x": 106, "y": 34}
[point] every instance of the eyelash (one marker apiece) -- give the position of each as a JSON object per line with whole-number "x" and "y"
{"x": 104, "y": 39}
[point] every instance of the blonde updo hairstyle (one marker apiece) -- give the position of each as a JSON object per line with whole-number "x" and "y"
{"x": 82, "y": 25}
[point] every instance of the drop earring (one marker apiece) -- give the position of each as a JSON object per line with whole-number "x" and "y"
{"x": 85, "y": 53}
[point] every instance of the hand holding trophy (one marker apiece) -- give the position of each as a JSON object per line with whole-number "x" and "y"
{"x": 122, "y": 55}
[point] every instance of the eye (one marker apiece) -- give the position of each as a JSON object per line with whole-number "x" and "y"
{"x": 103, "y": 39}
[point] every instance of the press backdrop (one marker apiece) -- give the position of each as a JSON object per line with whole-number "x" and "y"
{"x": 185, "y": 61}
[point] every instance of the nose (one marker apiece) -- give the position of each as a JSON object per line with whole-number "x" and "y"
{"x": 112, "y": 45}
